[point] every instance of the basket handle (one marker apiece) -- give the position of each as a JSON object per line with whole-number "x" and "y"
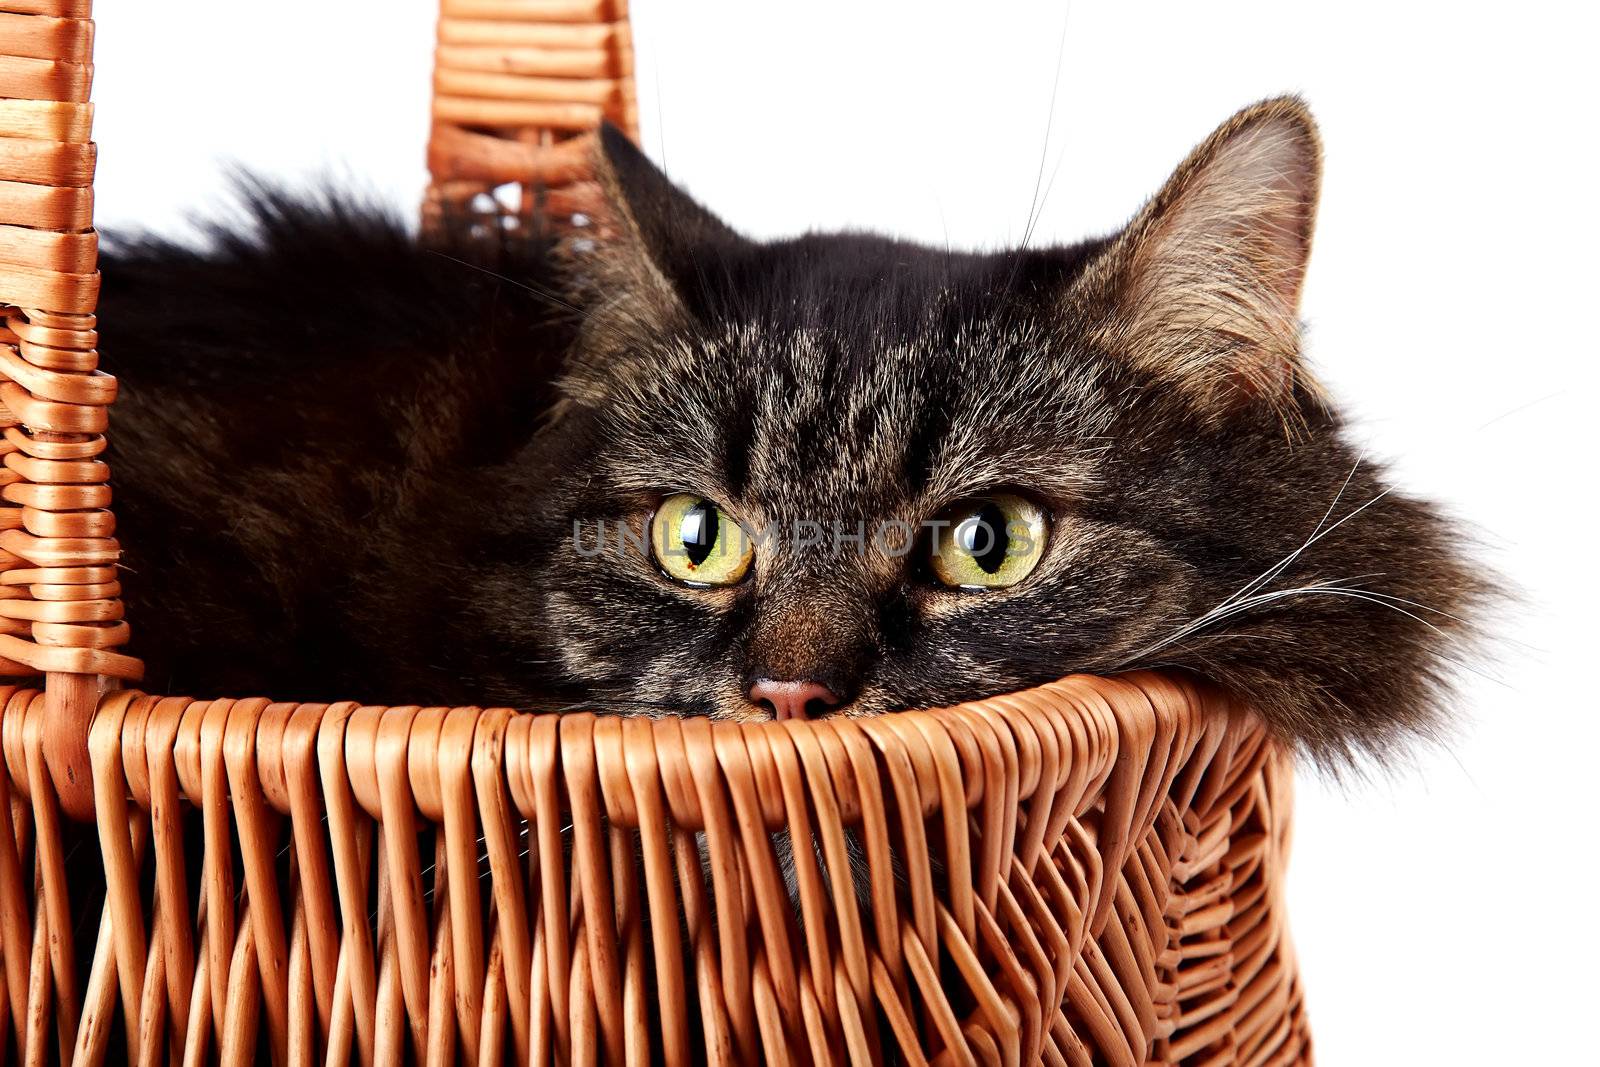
{"x": 518, "y": 87}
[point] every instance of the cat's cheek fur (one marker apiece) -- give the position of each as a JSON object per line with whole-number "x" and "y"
{"x": 631, "y": 640}
{"x": 1099, "y": 593}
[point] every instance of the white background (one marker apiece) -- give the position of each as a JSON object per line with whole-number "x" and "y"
{"x": 1443, "y": 914}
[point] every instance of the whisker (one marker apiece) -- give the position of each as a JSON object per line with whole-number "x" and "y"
{"x": 636, "y": 339}
{"x": 543, "y": 294}
{"x": 623, "y": 704}
{"x": 1277, "y": 568}
{"x": 1441, "y": 653}
{"x": 1225, "y": 608}
{"x": 1330, "y": 589}
{"x": 1036, "y": 206}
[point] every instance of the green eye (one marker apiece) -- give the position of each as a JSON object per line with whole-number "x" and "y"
{"x": 990, "y": 543}
{"x": 694, "y": 541}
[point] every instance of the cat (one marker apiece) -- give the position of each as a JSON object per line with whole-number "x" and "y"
{"x": 684, "y": 472}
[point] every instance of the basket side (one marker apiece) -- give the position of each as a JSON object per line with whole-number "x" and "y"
{"x": 60, "y": 608}
{"x": 1090, "y": 872}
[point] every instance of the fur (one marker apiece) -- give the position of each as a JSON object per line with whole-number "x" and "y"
{"x": 350, "y": 465}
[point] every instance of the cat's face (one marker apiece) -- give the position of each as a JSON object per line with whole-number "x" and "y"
{"x": 779, "y": 476}
{"x": 904, "y": 529}
{"x": 853, "y": 474}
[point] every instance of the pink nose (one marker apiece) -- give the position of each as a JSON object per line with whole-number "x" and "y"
{"x": 793, "y": 700}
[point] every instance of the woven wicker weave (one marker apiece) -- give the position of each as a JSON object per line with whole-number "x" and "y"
{"x": 1086, "y": 873}
{"x": 519, "y": 86}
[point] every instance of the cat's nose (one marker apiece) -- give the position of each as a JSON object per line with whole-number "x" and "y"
{"x": 793, "y": 700}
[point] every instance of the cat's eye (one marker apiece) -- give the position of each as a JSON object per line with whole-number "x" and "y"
{"x": 989, "y": 543}
{"x": 694, "y": 541}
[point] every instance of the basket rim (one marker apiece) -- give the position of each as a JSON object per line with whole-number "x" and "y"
{"x": 999, "y": 742}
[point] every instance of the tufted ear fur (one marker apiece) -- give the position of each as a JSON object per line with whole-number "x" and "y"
{"x": 660, "y": 237}
{"x": 638, "y": 279}
{"x": 1203, "y": 286}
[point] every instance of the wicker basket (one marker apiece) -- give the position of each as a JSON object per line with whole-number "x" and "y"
{"x": 1090, "y": 872}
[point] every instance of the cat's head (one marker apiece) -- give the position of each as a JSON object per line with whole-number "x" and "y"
{"x": 848, "y": 474}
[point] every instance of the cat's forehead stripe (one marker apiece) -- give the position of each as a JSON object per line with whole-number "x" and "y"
{"x": 803, "y": 420}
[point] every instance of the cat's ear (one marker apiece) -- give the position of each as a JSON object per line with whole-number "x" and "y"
{"x": 658, "y": 240}
{"x": 1203, "y": 286}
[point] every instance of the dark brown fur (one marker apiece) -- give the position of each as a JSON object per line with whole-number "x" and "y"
{"x": 350, "y": 467}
